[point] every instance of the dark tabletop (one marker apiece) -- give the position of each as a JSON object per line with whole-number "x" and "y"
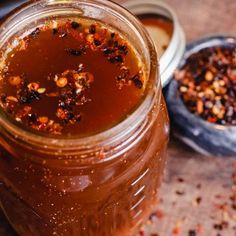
{"x": 197, "y": 191}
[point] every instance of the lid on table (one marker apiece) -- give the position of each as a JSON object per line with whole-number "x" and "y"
{"x": 165, "y": 30}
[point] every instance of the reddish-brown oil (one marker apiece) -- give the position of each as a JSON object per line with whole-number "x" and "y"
{"x": 47, "y": 53}
{"x": 46, "y": 194}
{"x": 158, "y": 21}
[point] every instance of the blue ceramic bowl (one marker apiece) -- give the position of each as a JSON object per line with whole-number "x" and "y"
{"x": 204, "y": 137}
{"x": 6, "y": 6}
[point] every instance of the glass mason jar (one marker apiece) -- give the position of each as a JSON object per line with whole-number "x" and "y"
{"x": 103, "y": 185}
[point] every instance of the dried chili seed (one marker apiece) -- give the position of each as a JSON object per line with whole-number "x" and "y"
{"x": 11, "y": 99}
{"x": 41, "y": 90}
{"x": 61, "y": 82}
{"x": 14, "y": 80}
{"x": 18, "y": 119}
{"x": 207, "y": 87}
{"x": 209, "y": 76}
{"x": 75, "y": 25}
{"x": 183, "y": 89}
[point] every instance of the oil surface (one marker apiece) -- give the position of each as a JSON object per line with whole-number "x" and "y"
{"x": 78, "y": 77}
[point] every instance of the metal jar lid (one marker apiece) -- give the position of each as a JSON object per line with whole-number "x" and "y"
{"x": 175, "y": 50}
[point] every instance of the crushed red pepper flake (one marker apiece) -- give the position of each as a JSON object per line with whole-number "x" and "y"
{"x": 207, "y": 84}
{"x": 177, "y": 228}
{"x": 192, "y": 233}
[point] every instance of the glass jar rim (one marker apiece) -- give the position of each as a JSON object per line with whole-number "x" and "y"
{"x": 114, "y": 133}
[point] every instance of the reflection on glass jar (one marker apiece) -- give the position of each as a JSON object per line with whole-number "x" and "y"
{"x": 105, "y": 184}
